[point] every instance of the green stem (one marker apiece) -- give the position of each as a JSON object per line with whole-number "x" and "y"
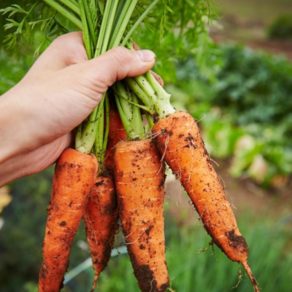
{"x": 99, "y": 137}
{"x": 105, "y": 137}
{"x": 122, "y": 23}
{"x": 139, "y": 92}
{"x": 86, "y": 37}
{"x": 63, "y": 11}
{"x": 85, "y": 141}
{"x": 78, "y": 137}
{"x": 163, "y": 106}
{"x": 106, "y": 26}
{"x": 101, "y": 6}
{"x": 72, "y": 5}
{"x": 137, "y": 121}
{"x": 90, "y": 22}
{"x": 122, "y": 93}
{"x": 109, "y": 26}
{"x": 138, "y": 22}
{"x": 130, "y": 113}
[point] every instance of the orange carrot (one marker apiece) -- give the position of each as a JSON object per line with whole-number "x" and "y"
{"x": 101, "y": 223}
{"x": 140, "y": 187}
{"x": 74, "y": 176}
{"x": 116, "y": 134}
{"x": 179, "y": 140}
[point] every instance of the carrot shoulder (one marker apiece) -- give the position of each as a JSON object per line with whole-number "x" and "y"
{"x": 140, "y": 186}
{"x": 101, "y": 223}
{"x": 75, "y": 173}
{"x": 179, "y": 140}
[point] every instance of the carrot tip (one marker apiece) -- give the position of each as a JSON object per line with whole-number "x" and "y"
{"x": 94, "y": 282}
{"x": 251, "y": 276}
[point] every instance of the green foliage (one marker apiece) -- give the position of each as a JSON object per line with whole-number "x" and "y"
{"x": 254, "y": 86}
{"x": 32, "y": 24}
{"x": 249, "y": 104}
{"x": 281, "y": 27}
{"x": 181, "y": 22}
{"x": 13, "y": 68}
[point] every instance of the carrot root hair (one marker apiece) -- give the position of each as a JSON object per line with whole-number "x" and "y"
{"x": 96, "y": 276}
{"x": 252, "y": 278}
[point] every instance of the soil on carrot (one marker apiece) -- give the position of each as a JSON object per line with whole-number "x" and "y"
{"x": 145, "y": 276}
{"x": 237, "y": 241}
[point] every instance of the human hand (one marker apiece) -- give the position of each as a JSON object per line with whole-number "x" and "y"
{"x": 57, "y": 94}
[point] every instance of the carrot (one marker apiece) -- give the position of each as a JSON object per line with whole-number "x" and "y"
{"x": 116, "y": 134}
{"x": 101, "y": 223}
{"x": 140, "y": 188}
{"x": 179, "y": 140}
{"x": 74, "y": 176}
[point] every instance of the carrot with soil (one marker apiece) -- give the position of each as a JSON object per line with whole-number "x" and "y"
{"x": 179, "y": 141}
{"x": 177, "y": 137}
{"x": 140, "y": 187}
{"x": 74, "y": 176}
{"x": 101, "y": 223}
{"x": 139, "y": 178}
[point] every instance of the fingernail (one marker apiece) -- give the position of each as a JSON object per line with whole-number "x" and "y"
{"x": 146, "y": 55}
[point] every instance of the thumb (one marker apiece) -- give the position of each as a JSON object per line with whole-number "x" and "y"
{"x": 116, "y": 64}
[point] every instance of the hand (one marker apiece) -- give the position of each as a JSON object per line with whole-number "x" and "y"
{"x": 57, "y": 94}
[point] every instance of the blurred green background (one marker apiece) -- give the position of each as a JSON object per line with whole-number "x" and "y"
{"x": 238, "y": 85}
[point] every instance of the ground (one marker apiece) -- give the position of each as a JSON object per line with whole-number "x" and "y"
{"x": 246, "y": 21}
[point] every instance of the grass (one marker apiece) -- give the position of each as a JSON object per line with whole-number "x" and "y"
{"x": 270, "y": 258}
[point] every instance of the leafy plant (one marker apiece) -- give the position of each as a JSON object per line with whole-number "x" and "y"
{"x": 281, "y": 28}
{"x": 247, "y": 103}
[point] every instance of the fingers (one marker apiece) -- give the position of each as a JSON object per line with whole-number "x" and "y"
{"x": 39, "y": 159}
{"x": 158, "y": 78}
{"x": 65, "y": 50}
{"x": 155, "y": 75}
{"x": 114, "y": 65}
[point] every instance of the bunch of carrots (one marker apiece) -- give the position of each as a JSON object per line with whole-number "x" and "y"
{"x": 116, "y": 170}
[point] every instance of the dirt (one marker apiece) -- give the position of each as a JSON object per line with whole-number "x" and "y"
{"x": 237, "y": 241}
{"x": 250, "y": 29}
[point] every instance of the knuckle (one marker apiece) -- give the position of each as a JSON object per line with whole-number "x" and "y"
{"x": 122, "y": 54}
{"x": 71, "y": 44}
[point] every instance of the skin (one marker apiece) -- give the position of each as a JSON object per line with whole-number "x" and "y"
{"x": 57, "y": 94}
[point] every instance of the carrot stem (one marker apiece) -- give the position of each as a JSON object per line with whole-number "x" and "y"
{"x": 71, "y": 5}
{"x": 138, "y": 22}
{"x": 85, "y": 29}
{"x": 63, "y": 11}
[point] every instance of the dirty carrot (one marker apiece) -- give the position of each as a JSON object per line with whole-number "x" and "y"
{"x": 75, "y": 173}
{"x": 101, "y": 220}
{"x": 139, "y": 176}
{"x": 179, "y": 141}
